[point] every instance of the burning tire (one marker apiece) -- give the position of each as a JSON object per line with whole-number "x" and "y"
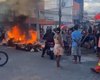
{"x": 3, "y": 58}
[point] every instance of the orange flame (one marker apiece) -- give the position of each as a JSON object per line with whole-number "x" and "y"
{"x": 18, "y": 36}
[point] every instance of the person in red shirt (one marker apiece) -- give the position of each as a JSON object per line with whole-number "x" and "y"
{"x": 97, "y": 67}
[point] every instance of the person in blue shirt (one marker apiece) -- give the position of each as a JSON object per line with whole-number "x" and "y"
{"x": 76, "y": 40}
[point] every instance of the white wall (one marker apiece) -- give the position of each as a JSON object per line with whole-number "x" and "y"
{"x": 53, "y": 10}
{"x": 50, "y": 4}
{"x": 55, "y": 17}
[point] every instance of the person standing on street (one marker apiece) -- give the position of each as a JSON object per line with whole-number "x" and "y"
{"x": 97, "y": 41}
{"x": 76, "y": 40}
{"x": 48, "y": 37}
{"x": 58, "y": 47}
{"x": 96, "y": 69}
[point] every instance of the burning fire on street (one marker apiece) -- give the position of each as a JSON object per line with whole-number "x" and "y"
{"x": 22, "y": 37}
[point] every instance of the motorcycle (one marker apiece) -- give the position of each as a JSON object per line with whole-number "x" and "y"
{"x": 50, "y": 50}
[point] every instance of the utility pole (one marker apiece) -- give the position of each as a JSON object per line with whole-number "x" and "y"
{"x": 60, "y": 12}
{"x": 37, "y": 19}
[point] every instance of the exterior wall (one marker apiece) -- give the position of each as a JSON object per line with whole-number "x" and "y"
{"x": 72, "y": 10}
{"x": 50, "y": 4}
{"x": 53, "y": 9}
{"x": 81, "y": 2}
{"x": 76, "y": 10}
{"x": 53, "y": 15}
{"x": 47, "y": 8}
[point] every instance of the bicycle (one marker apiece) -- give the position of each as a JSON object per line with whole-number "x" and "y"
{"x": 3, "y": 58}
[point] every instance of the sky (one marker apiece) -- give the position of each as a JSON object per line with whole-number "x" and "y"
{"x": 92, "y": 6}
{"x": 89, "y": 5}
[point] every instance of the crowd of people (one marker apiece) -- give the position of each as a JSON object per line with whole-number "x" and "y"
{"x": 71, "y": 40}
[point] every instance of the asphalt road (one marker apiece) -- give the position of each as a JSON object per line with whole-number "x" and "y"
{"x": 24, "y": 65}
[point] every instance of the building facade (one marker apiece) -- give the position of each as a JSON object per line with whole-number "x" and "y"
{"x": 72, "y": 10}
{"x": 79, "y": 4}
{"x": 52, "y": 11}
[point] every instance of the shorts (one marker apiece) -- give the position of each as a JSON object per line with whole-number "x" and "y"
{"x": 76, "y": 51}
